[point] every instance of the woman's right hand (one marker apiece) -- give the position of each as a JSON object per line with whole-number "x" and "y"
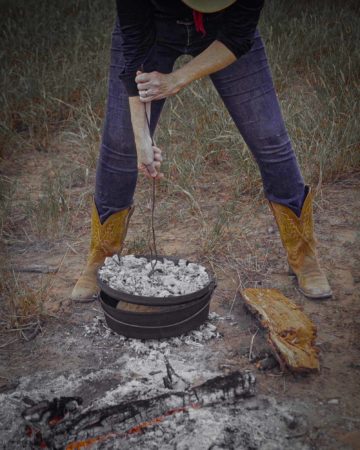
{"x": 149, "y": 162}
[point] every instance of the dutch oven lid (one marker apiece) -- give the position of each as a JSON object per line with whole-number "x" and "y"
{"x": 157, "y": 301}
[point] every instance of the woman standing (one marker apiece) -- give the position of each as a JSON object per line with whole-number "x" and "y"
{"x": 222, "y": 37}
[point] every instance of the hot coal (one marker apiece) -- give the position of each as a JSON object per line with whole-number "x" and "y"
{"x": 155, "y": 278}
{"x": 51, "y": 411}
{"x": 127, "y": 418}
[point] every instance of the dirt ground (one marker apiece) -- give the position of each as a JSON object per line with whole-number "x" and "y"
{"x": 74, "y": 354}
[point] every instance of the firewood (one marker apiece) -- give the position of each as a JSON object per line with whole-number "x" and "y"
{"x": 291, "y": 334}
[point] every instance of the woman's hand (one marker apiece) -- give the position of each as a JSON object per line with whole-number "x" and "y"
{"x": 156, "y": 85}
{"x": 151, "y": 169}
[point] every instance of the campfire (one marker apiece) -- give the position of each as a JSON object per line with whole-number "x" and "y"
{"x": 61, "y": 423}
{"x": 153, "y": 394}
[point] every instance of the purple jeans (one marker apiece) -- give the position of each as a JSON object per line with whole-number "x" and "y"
{"x": 247, "y": 90}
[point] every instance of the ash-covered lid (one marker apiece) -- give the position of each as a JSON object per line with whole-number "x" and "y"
{"x": 139, "y": 276}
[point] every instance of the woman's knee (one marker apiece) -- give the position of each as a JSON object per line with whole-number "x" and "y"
{"x": 274, "y": 148}
{"x": 119, "y": 159}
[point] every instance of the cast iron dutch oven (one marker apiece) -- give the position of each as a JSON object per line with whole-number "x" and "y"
{"x": 164, "y": 317}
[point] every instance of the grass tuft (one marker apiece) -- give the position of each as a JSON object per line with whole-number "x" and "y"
{"x": 22, "y": 306}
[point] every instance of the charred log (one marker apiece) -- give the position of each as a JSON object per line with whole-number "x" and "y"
{"x": 60, "y": 423}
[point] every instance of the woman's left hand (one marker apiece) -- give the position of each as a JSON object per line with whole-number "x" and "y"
{"x": 156, "y": 85}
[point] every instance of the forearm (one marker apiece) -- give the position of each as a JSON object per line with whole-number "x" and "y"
{"x": 216, "y": 57}
{"x": 148, "y": 155}
{"x": 141, "y": 129}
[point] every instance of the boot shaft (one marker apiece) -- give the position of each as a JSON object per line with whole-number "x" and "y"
{"x": 297, "y": 233}
{"x": 108, "y": 238}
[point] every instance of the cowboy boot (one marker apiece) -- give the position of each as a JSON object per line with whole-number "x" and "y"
{"x": 297, "y": 235}
{"x": 106, "y": 240}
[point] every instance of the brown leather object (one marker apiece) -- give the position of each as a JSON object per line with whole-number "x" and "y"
{"x": 106, "y": 240}
{"x": 297, "y": 235}
{"x": 291, "y": 333}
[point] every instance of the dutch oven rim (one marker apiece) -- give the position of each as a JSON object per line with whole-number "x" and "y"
{"x": 158, "y": 301}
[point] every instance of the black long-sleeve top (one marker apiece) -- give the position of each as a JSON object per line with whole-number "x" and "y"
{"x": 137, "y": 23}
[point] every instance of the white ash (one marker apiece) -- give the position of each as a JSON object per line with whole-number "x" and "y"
{"x": 98, "y": 327}
{"x": 254, "y": 424}
{"x": 131, "y": 274}
{"x": 121, "y": 375}
{"x": 194, "y": 338}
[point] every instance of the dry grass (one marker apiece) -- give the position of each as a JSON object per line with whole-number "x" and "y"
{"x": 22, "y": 307}
{"x": 55, "y": 83}
{"x": 54, "y": 75}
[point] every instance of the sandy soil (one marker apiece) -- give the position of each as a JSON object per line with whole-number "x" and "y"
{"x": 74, "y": 354}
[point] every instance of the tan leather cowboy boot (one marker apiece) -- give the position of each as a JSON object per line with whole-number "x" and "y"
{"x": 106, "y": 240}
{"x": 297, "y": 235}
